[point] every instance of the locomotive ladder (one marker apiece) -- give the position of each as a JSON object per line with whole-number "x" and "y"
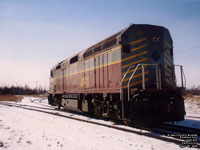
{"x": 158, "y": 80}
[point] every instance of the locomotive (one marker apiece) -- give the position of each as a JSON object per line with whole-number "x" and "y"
{"x": 129, "y": 76}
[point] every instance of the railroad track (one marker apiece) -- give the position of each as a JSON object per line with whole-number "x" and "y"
{"x": 195, "y": 117}
{"x": 180, "y": 129}
{"x": 191, "y": 136}
{"x": 176, "y": 129}
{"x": 149, "y": 132}
{"x": 167, "y": 129}
{"x": 11, "y": 104}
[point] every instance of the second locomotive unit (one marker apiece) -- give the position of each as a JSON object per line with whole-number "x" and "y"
{"x": 129, "y": 76}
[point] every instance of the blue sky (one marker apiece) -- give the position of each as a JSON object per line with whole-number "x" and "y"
{"x": 35, "y": 34}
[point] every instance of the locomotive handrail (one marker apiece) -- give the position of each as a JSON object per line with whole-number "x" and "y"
{"x": 121, "y": 92}
{"x": 158, "y": 81}
{"x": 158, "y": 77}
{"x": 183, "y": 78}
{"x": 132, "y": 76}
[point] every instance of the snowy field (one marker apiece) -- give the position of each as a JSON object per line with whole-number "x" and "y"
{"x": 22, "y": 129}
{"x": 193, "y": 106}
{"x": 192, "y": 117}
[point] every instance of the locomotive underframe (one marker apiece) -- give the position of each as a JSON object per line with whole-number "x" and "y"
{"x": 145, "y": 106}
{"x": 152, "y": 106}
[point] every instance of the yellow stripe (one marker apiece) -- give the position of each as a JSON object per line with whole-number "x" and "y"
{"x": 118, "y": 47}
{"x": 135, "y": 83}
{"x": 168, "y": 45}
{"x": 167, "y": 74}
{"x": 133, "y": 70}
{"x": 136, "y": 55}
{"x": 168, "y": 51}
{"x": 169, "y": 58}
{"x": 135, "y": 62}
{"x": 135, "y": 76}
{"x": 113, "y": 49}
{"x": 139, "y": 47}
{"x": 168, "y": 81}
{"x": 137, "y": 41}
{"x": 167, "y": 62}
{"x": 169, "y": 70}
{"x": 115, "y": 62}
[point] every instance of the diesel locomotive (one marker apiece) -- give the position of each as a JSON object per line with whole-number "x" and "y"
{"x": 128, "y": 76}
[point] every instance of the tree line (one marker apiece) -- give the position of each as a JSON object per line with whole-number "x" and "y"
{"x": 26, "y": 90}
{"x": 193, "y": 91}
{"x": 21, "y": 90}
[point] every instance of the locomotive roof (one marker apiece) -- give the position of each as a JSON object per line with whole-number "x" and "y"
{"x": 116, "y": 35}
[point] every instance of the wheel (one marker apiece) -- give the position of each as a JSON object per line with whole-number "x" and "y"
{"x": 127, "y": 122}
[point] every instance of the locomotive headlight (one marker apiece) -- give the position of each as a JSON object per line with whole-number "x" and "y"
{"x": 155, "y": 38}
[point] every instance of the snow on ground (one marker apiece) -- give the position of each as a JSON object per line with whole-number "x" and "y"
{"x": 192, "y": 107}
{"x": 192, "y": 118}
{"x": 22, "y": 129}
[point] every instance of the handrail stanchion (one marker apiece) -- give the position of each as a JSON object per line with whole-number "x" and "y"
{"x": 143, "y": 78}
{"x": 157, "y": 78}
{"x": 159, "y": 71}
{"x": 184, "y": 79}
{"x": 130, "y": 80}
{"x": 182, "y": 75}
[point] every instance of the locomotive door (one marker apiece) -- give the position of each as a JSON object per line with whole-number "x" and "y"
{"x": 92, "y": 76}
{"x": 97, "y": 72}
{"x": 101, "y": 71}
{"x": 85, "y": 75}
{"x": 62, "y": 80}
{"x": 59, "y": 81}
{"x": 105, "y": 70}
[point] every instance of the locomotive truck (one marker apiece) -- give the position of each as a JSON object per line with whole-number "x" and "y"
{"x": 128, "y": 76}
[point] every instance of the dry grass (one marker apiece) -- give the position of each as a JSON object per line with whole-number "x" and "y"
{"x": 193, "y": 98}
{"x": 38, "y": 96}
{"x": 11, "y": 98}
